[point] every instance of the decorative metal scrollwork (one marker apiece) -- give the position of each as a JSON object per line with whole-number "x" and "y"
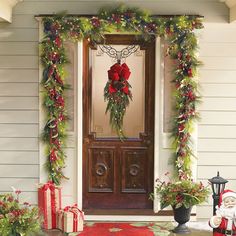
{"x": 118, "y": 55}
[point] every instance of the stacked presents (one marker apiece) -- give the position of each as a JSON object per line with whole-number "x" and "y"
{"x": 70, "y": 219}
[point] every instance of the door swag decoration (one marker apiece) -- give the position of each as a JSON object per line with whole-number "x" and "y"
{"x": 177, "y": 30}
{"x": 117, "y": 90}
{"x": 117, "y": 94}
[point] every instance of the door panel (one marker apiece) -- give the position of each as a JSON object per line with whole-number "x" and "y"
{"x": 118, "y": 175}
{"x": 101, "y": 169}
{"x": 134, "y": 170}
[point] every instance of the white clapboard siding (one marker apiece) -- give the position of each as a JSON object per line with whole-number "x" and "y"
{"x": 18, "y": 89}
{"x": 19, "y": 117}
{"x": 17, "y": 35}
{"x": 211, "y": 34}
{"x": 219, "y": 63}
{"x": 23, "y": 144}
{"x": 19, "y": 75}
{"x": 219, "y": 159}
{"x": 216, "y": 138}
{"x": 218, "y": 90}
{"x": 217, "y": 49}
{"x": 207, "y": 172}
{"x": 19, "y": 157}
{"x": 19, "y": 130}
{"x": 217, "y": 144}
{"x": 217, "y": 104}
{"x": 19, "y": 171}
{"x": 24, "y": 184}
{"x": 217, "y": 76}
{"x": 217, "y": 118}
{"x": 19, "y": 103}
{"x": 21, "y": 21}
{"x": 30, "y": 62}
{"x": 18, "y": 48}
{"x": 204, "y": 212}
{"x": 217, "y": 131}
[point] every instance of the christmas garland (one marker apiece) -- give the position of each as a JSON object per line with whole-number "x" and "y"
{"x": 179, "y": 31}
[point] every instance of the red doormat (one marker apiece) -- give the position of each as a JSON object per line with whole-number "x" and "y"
{"x": 126, "y": 229}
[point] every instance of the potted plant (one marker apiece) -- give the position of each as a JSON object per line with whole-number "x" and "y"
{"x": 17, "y": 219}
{"x": 181, "y": 195}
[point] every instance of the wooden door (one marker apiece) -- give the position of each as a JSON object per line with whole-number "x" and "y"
{"x": 118, "y": 175}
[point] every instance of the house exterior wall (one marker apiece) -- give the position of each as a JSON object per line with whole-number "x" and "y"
{"x": 216, "y": 130}
{"x": 19, "y": 94}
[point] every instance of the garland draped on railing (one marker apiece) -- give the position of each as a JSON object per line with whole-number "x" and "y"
{"x": 179, "y": 31}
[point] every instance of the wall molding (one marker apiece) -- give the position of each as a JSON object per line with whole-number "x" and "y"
{"x": 6, "y": 7}
{"x": 231, "y": 4}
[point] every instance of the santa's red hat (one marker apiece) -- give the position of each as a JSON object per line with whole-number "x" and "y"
{"x": 226, "y": 193}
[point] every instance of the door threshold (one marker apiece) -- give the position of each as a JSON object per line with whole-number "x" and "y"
{"x": 132, "y": 218}
{"x": 129, "y": 215}
{"x": 127, "y": 212}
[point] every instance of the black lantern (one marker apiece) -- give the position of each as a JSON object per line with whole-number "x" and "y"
{"x": 218, "y": 186}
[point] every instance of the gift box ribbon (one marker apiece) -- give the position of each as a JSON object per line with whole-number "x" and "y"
{"x": 77, "y": 214}
{"x": 51, "y": 186}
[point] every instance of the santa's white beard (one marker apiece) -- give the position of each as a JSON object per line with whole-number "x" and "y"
{"x": 228, "y": 213}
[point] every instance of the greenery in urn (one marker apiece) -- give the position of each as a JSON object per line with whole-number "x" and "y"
{"x": 178, "y": 193}
{"x": 15, "y": 218}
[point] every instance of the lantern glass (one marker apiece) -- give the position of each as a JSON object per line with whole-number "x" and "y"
{"x": 217, "y": 184}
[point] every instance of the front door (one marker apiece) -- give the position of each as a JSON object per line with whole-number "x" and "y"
{"x": 118, "y": 174}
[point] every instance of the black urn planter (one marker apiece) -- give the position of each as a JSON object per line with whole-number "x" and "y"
{"x": 182, "y": 216}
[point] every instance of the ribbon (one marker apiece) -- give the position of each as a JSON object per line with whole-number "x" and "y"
{"x": 53, "y": 203}
{"x": 53, "y": 207}
{"x": 49, "y": 185}
{"x": 77, "y": 214}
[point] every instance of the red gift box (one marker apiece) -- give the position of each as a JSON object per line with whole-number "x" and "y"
{"x": 70, "y": 219}
{"x": 49, "y": 202}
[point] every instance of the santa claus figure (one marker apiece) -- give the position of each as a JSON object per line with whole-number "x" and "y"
{"x": 224, "y": 222}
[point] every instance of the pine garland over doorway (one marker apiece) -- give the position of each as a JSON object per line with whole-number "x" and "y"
{"x": 177, "y": 30}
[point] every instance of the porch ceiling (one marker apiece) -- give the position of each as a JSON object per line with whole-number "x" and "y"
{"x": 6, "y": 9}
